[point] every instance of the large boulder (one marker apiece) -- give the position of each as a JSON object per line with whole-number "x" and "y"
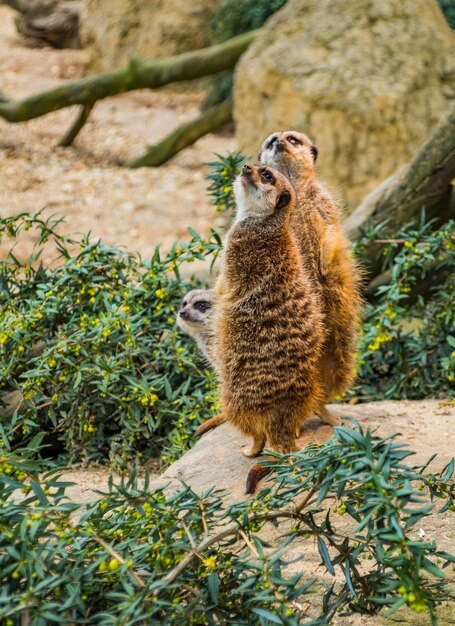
{"x": 114, "y": 30}
{"x": 365, "y": 80}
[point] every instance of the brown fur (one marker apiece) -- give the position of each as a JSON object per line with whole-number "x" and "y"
{"x": 315, "y": 221}
{"x": 268, "y": 327}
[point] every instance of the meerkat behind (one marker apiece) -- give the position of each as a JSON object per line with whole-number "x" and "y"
{"x": 268, "y": 328}
{"x": 315, "y": 221}
{"x": 195, "y": 318}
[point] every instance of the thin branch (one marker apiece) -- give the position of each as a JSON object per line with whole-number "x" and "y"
{"x": 120, "y": 559}
{"x": 248, "y": 543}
{"x": 306, "y": 500}
{"x": 184, "y": 136}
{"x": 384, "y": 241}
{"x": 77, "y": 125}
{"x": 188, "y": 534}
{"x": 204, "y": 520}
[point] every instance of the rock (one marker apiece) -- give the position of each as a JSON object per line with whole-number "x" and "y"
{"x": 114, "y": 30}
{"x": 54, "y": 22}
{"x": 217, "y": 461}
{"x": 365, "y": 80}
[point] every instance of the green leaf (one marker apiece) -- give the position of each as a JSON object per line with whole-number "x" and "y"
{"x": 432, "y": 568}
{"x": 396, "y": 605}
{"x": 324, "y": 553}
{"x": 214, "y": 586}
{"x": 39, "y": 493}
{"x": 270, "y": 616}
{"x": 448, "y": 471}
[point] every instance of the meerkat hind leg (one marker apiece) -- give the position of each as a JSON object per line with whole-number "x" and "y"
{"x": 256, "y": 448}
{"x": 327, "y": 417}
{"x": 327, "y": 249}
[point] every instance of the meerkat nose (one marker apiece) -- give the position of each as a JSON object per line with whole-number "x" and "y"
{"x": 247, "y": 169}
{"x": 183, "y": 313}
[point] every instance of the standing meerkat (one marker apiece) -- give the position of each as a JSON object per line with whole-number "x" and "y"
{"x": 315, "y": 222}
{"x": 268, "y": 326}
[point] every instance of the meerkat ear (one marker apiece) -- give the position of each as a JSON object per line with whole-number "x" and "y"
{"x": 283, "y": 200}
{"x": 314, "y": 152}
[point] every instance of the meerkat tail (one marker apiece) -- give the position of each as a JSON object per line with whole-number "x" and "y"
{"x": 209, "y": 424}
{"x": 255, "y": 475}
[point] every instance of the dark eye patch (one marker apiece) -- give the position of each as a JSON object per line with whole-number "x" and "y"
{"x": 271, "y": 142}
{"x": 267, "y": 176}
{"x": 202, "y": 305}
{"x": 183, "y": 303}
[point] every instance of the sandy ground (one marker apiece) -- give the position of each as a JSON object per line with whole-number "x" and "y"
{"x": 133, "y": 208}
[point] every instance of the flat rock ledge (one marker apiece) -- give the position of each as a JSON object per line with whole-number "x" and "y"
{"x": 216, "y": 460}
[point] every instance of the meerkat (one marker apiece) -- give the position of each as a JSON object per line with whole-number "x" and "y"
{"x": 268, "y": 329}
{"x": 195, "y": 318}
{"x": 315, "y": 222}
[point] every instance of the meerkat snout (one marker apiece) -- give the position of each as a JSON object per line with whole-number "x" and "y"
{"x": 284, "y": 149}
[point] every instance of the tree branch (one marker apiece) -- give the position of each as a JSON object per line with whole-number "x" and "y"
{"x": 184, "y": 136}
{"x": 77, "y": 126}
{"x": 140, "y": 74}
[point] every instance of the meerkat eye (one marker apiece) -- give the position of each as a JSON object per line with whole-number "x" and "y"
{"x": 183, "y": 303}
{"x": 271, "y": 142}
{"x": 202, "y": 305}
{"x": 294, "y": 141}
{"x": 268, "y": 176}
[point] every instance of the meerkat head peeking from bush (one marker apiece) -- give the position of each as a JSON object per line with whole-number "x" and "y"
{"x": 258, "y": 192}
{"x": 290, "y": 152}
{"x": 195, "y": 318}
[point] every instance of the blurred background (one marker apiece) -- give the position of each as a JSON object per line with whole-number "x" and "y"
{"x": 367, "y": 81}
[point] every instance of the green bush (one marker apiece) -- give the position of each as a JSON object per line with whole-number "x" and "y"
{"x": 407, "y": 349}
{"x": 221, "y": 178}
{"x": 88, "y": 336}
{"x": 137, "y": 556}
{"x": 448, "y": 8}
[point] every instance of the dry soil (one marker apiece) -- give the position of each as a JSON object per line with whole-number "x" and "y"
{"x": 133, "y": 208}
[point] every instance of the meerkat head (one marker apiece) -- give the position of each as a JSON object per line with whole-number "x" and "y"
{"x": 290, "y": 152}
{"x": 260, "y": 191}
{"x": 195, "y": 311}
